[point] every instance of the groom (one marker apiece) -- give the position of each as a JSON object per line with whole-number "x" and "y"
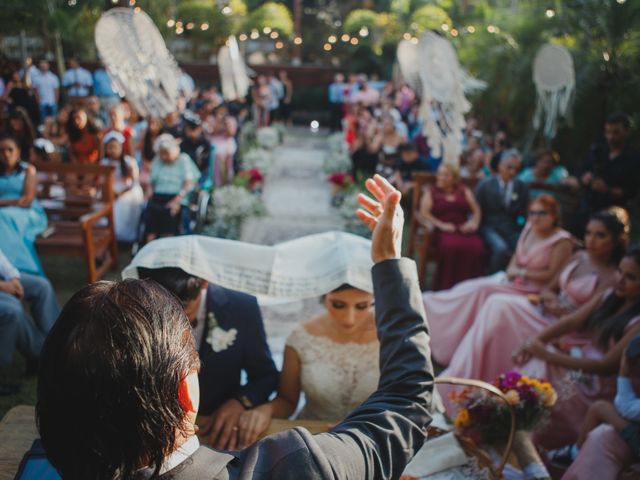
{"x": 118, "y": 389}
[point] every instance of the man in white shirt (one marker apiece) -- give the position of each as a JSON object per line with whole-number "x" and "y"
{"x": 77, "y": 80}
{"x": 47, "y": 88}
{"x": 17, "y": 330}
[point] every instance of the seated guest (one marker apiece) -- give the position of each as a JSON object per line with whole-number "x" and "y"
{"x": 174, "y": 125}
{"x": 21, "y": 216}
{"x": 546, "y": 169}
{"x": 84, "y": 138}
{"x": 17, "y": 330}
{"x": 228, "y": 330}
{"x": 473, "y": 165}
{"x": 55, "y": 130}
{"x": 196, "y": 145}
{"x": 506, "y": 320}
{"x": 410, "y": 162}
{"x": 222, "y": 134}
{"x": 134, "y": 401}
{"x": 623, "y": 421}
{"x": 542, "y": 251}
{"x": 173, "y": 175}
{"x": 332, "y": 359}
{"x": 19, "y": 126}
{"x": 117, "y": 124}
{"x": 611, "y": 320}
{"x": 386, "y": 140}
{"x": 503, "y": 201}
{"x": 452, "y": 209}
{"x": 129, "y": 195}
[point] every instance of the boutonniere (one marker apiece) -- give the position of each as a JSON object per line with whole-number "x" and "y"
{"x": 514, "y": 196}
{"x": 219, "y": 338}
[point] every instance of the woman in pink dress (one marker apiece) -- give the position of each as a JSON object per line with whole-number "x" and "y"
{"x": 542, "y": 251}
{"x": 507, "y": 320}
{"x": 584, "y": 374}
{"x": 452, "y": 209}
{"x": 222, "y": 129}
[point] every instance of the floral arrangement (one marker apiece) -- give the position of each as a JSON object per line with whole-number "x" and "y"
{"x": 337, "y": 158}
{"x": 257, "y": 158}
{"x": 268, "y": 137}
{"x": 484, "y": 418}
{"x": 250, "y": 179}
{"x": 342, "y": 180}
{"x": 347, "y": 209}
{"x": 232, "y": 204}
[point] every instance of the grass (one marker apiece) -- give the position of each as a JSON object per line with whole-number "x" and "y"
{"x": 67, "y": 275}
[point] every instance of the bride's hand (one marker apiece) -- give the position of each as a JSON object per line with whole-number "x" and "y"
{"x": 384, "y": 217}
{"x": 253, "y": 423}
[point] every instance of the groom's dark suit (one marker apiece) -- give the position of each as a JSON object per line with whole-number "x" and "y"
{"x": 379, "y": 437}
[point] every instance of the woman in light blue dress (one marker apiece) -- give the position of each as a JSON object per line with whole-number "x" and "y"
{"x": 21, "y": 216}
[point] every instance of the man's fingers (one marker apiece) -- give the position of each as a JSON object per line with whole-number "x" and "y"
{"x": 367, "y": 219}
{"x": 374, "y": 189}
{"x": 233, "y": 439}
{"x": 370, "y": 205}
{"x": 216, "y": 429}
{"x": 224, "y": 436}
{"x": 390, "y": 204}
{"x": 383, "y": 184}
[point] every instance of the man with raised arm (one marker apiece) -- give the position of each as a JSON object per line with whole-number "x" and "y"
{"x": 118, "y": 391}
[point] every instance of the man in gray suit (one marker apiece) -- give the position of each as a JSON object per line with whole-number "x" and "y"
{"x": 503, "y": 199}
{"x": 118, "y": 391}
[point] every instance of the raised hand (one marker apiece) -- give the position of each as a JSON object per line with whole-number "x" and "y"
{"x": 384, "y": 217}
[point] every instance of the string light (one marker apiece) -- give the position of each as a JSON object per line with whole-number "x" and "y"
{"x": 491, "y": 29}
{"x": 550, "y": 13}
{"x": 327, "y": 47}
{"x": 279, "y": 44}
{"x": 179, "y": 24}
{"x": 620, "y": 2}
{"x": 345, "y": 37}
{"x": 454, "y": 32}
{"x": 414, "y": 40}
{"x": 407, "y": 36}
{"x": 254, "y": 35}
{"x": 72, "y": 3}
{"x": 332, "y": 39}
{"x": 364, "y": 32}
{"x": 471, "y": 29}
{"x": 243, "y": 37}
{"x": 171, "y": 23}
{"x": 354, "y": 41}
{"x": 132, "y": 3}
{"x": 606, "y": 57}
{"x": 204, "y": 27}
{"x": 297, "y": 40}
{"x": 266, "y": 30}
{"x": 137, "y": 9}
{"x": 274, "y": 35}
{"x": 227, "y": 10}
{"x": 179, "y": 30}
{"x": 190, "y": 26}
{"x": 444, "y": 27}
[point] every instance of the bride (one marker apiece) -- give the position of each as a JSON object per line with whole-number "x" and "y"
{"x": 332, "y": 358}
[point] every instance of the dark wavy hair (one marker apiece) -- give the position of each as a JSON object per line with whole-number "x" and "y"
{"x": 616, "y": 221}
{"x": 74, "y": 132}
{"x": 183, "y": 286}
{"x": 607, "y": 321}
{"x": 108, "y": 385}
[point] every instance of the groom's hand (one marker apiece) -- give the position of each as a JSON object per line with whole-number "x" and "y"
{"x": 384, "y": 217}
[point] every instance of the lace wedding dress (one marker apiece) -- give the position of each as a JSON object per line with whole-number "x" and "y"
{"x": 335, "y": 377}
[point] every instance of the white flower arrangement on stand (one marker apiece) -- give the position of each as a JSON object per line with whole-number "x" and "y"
{"x": 268, "y": 137}
{"x": 257, "y": 158}
{"x": 232, "y": 205}
{"x": 337, "y": 158}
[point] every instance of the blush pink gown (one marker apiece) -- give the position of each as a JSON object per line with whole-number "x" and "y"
{"x": 576, "y": 394}
{"x": 451, "y": 313}
{"x": 505, "y": 321}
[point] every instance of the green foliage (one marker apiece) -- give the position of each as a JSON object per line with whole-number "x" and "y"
{"x": 273, "y": 15}
{"x": 429, "y": 17}
{"x": 360, "y": 18}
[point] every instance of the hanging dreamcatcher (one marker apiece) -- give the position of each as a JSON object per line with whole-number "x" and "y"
{"x": 554, "y": 77}
{"x": 431, "y": 68}
{"x": 136, "y": 57}
{"x": 233, "y": 71}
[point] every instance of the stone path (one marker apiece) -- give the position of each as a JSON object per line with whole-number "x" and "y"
{"x": 297, "y": 197}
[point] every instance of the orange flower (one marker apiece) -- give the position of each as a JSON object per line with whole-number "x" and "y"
{"x": 462, "y": 419}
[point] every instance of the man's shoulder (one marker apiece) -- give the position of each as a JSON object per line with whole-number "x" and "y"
{"x": 223, "y": 295}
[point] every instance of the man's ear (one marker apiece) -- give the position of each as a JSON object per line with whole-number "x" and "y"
{"x": 204, "y": 284}
{"x": 189, "y": 393}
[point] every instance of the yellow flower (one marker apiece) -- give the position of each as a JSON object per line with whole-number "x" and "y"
{"x": 526, "y": 380}
{"x": 512, "y": 397}
{"x": 550, "y": 397}
{"x": 462, "y": 419}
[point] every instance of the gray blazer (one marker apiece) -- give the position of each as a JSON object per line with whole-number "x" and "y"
{"x": 378, "y": 439}
{"x": 497, "y": 215}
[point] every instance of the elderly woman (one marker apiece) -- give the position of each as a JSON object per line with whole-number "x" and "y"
{"x": 452, "y": 209}
{"x": 173, "y": 175}
{"x": 546, "y": 169}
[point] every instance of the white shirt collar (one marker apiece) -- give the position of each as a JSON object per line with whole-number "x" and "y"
{"x": 178, "y": 456}
{"x": 201, "y": 317}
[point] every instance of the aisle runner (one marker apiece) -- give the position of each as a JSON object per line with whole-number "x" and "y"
{"x": 297, "y": 197}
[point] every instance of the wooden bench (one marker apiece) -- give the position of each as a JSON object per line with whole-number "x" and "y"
{"x": 79, "y": 200}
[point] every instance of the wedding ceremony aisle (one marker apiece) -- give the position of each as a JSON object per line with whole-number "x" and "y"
{"x": 298, "y": 202}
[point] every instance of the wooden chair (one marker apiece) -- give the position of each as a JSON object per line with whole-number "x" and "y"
{"x": 420, "y": 229}
{"x": 79, "y": 200}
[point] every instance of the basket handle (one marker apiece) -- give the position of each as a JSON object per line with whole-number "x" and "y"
{"x": 497, "y": 392}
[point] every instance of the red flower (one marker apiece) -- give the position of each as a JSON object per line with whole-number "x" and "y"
{"x": 342, "y": 179}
